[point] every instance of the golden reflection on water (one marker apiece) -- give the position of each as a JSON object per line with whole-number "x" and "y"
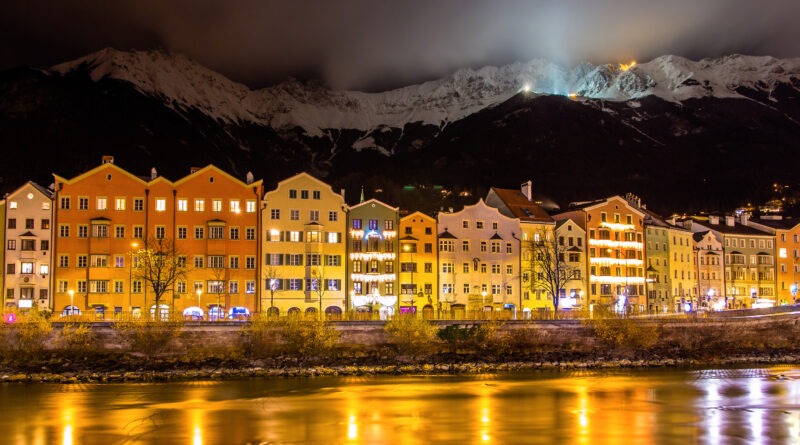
{"x": 591, "y": 408}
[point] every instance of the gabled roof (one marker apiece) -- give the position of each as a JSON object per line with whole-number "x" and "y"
{"x": 446, "y": 235}
{"x": 27, "y": 234}
{"x": 520, "y": 207}
{"x": 780, "y": 224}
{"x": 216, "y": 170}
{"x": 374, "y": 201}
{"x": 300, "y": 175}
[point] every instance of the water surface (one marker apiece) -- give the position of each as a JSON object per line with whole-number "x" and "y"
{"x": 747, "y": 406}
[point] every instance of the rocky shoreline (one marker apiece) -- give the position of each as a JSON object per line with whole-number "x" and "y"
{"x": 248, "y": 372}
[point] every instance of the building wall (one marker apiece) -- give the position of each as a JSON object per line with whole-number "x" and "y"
{"x": 105, "y": 215}
{"x": 711, "y": 273}
{"x": 575, "y": 250}
{"x": 749, "y": 268}
{"x": 682, "y": 269}
{"x": 787, "y": 243}
{"x": 373, "y": 260}
{"x": 616, "y": 254}
{"x": 227, "y": 269}
{"x": 305, "y": 241}
{"x": 78, "y": 202}
{"x": 418, "y": 274}
{"x": 28, "y": 248}
{"x": 659, "y": 291}
{"x": 480, "y": 269}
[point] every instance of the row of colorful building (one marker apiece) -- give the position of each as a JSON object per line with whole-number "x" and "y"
{"x": 301, "y": 249}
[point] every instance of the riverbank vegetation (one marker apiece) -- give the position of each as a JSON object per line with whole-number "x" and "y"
{"x": 34, "y": 345}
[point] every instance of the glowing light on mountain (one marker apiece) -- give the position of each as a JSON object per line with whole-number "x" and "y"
{"x": 572, "y": 95}
{"x": 526, "y": 88}
{"x": 626, "y": 66}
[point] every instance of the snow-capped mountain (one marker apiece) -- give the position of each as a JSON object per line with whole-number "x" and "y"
{"x": 182, "y": 83}
{"x": 682, "y": 134}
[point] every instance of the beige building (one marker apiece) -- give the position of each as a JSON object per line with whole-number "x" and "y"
{"x": 419, "y": 278}
{"x": 28, "y": 234}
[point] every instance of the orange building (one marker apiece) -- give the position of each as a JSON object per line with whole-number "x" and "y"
{"x": 103, "y": 216}
{"x": 615, "y": 235}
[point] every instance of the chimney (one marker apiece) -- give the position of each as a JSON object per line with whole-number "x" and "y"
{"x": 193, "y": 170}
{"x": 730, "y": 221}
{"x": 249, "y": 177}
{"x": 342, "y": 193}
{"x": 153, "y": 173}
{"x": 687, "y": 224}
{"x": 713, "y": 220}
{"x": 527, "y": 189}
{"x": 108, "y": 159}
{"x": 744, "y": 218}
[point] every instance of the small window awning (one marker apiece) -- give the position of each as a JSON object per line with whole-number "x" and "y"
{"x": 216, "y": 222}
{"x": 496, "y": 236}
{"x": 100, "y": 220}
{"x": 28, "y": 234}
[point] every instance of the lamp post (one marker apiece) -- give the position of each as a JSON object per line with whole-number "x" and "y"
{"x": 407, "y": 248}
{"x": 71, "y": 301}
{"x": 483, "y": 303}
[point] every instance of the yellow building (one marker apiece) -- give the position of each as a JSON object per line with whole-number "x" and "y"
{"x": 682, "y": 269}
{"x": 535, "y": 225}
{"x": 305, "y": 249}
{"x": 419, "y": 280}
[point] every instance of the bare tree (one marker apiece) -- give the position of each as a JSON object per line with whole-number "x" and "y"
{"x": 548, "y": 260}
{"x": 220, "y": 287}
{"x": 272, "y": 278}
{"x": 159, "y": 266}
{"x": 318, "y": 285}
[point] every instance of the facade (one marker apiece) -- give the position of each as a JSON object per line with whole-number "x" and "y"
{"x": 682, "y": 269}
{"x": 657, "y": 280}
{"x": 305, "y": 249}
{"x": 28, "y": 247}
{"x": 419, "y": 278}
{"x": 615, "y": 238}
{"x": 106, "y": 217}
{"x": 535, "y": 224}
{"x": 373, "y": 259}
{"x": 710, "y": 260}
{"x": 787, "y": 249}
{"x": 749, "y": 260}
{"x": 479, "y": 261}
{"x": 214, "y": 219}
{"x": 572, "y": 239}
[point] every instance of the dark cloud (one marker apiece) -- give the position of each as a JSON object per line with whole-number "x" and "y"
{"x": 373, "y": 44}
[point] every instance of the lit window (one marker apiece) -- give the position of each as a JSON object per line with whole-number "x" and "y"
{"x": 250, "y": 206}
{"x": 102, "y": 203}
{"x": 235, "y": 206}
{"x": 183, "y": 205}
{"x": 216, "y": 205}
{"x": 119, "y": 203}
{"x": 12, "y": 204}
{"x": 161, "y": 204}
{"x": 199, "y": 205}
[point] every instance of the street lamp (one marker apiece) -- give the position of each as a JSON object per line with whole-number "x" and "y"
{"x": 407, "y": 248}
{"x": 199, "y": 291}
{"x": 71, "y": 301}
{"x": 483, "y": 303}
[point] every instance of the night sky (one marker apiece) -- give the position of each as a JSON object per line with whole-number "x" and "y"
{"x": 379, "y": 44}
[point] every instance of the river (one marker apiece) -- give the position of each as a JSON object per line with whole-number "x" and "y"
{"x": 712, "y": 406}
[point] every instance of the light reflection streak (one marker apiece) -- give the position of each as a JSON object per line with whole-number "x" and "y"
{"x": 197, "y": 427}
{"x": 68, "y": 420}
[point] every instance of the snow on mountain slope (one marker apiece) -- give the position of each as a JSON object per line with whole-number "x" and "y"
{"x": 182, "y": 83}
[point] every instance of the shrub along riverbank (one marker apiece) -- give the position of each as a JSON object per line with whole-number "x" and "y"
{"x": 36, "y": 349}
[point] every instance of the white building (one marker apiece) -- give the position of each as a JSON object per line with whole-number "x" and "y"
{"x": 479, "y": 261}
{"x": 28, "y": 237}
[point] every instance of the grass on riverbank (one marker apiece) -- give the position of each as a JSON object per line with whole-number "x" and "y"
{"x": 33, "y": 343}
